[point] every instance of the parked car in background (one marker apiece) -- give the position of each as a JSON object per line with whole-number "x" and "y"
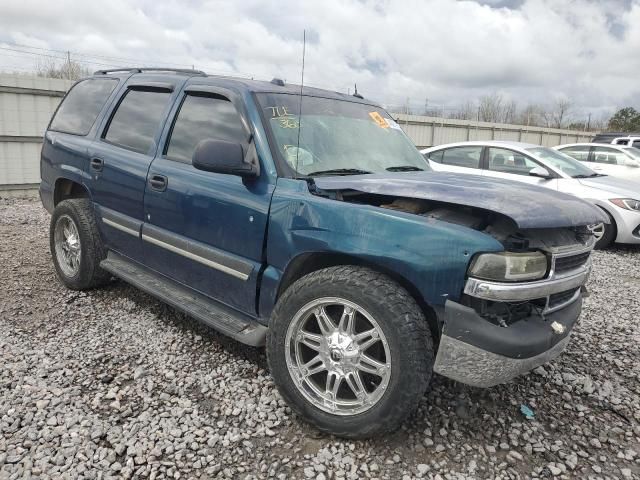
{"x": 545, "y": 167}
{"x": 617, "y": 138}
{"x": 615, "y": 160}
{"x": 324, "y": 237}
{"x": 631, "y": 141}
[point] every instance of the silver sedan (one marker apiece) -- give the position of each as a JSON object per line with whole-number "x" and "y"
{"x": 543, "y": 166}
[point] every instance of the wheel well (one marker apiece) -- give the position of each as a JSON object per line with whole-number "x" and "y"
{"x": 66, "y": 189}
{"x": 613, "y": 220}
{"x": 310, "y": 262}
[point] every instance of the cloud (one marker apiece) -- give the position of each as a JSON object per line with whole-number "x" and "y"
{"x": 444, "y": 51}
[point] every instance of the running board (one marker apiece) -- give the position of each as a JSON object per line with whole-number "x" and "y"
{"x": 222, "y": 318}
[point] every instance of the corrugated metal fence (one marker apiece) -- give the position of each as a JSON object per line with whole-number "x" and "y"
{"x": 26, "y": 106}
{"x": 27, "y": 103}
{"x": 430, "y": 131}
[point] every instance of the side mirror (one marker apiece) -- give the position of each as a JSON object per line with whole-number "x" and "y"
{"x": 630, "y": 162}
{"x": 540, "y": 172}
{"x": 220, "y": 156}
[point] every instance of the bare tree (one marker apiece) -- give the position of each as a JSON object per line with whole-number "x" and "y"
{"x": 561, "y": 112}
{"x": 494, "y": 108}
{"x": 467, "y": 111}
{"x": 509, "y": 111}
{"x": 490, "y": 107}
{"x": 69, "y": 70}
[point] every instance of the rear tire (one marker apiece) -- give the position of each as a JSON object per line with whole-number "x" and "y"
{"x": 373, "y": 359}
{"x": 76, "y": 246}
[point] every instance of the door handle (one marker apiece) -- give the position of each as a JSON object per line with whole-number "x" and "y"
{"x": 158, "y": 182}
{"x": 97, "y": 164}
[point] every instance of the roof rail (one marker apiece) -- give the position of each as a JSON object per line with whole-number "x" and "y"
{"x": 144, "y": 69}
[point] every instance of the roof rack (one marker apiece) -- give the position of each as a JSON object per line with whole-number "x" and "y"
{"x": 143, "y": 69}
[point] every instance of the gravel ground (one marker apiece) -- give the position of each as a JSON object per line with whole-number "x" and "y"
{"x": 112, "y": 383}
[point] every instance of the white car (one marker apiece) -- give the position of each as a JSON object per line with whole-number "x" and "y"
{"x": 614, "y": 160}
{"x": 546, "y": 167}
{"x": 629, "y": 141}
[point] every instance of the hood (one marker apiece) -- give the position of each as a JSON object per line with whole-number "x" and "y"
{"x": 620, "y": 187}
{"x": 527, "y": 205}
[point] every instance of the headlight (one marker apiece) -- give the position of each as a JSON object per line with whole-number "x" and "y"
{"x": 626, "y": 203}
{"x": 509, "y": 267}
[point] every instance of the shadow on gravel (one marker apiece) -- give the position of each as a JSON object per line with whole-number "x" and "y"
{"x": 143, "y": 301}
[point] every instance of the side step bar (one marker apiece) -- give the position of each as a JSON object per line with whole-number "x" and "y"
{"x": 220, "y": 317}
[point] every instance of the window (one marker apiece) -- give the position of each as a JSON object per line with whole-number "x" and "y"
{"x": 636, "y": 144}
{"x": 509, "y": 161}
{"x": 436, "y": 156}
{"x": 136, "y": 121}
{"x": 200, "y": 118}
{"x": 622, "y": 142}
{"x": 579, "y": 152}
{"x": 462, "y": 156}
{"x": 561, "y": 162}
{"x": 330, "y": 134}
{"x": 608, "y": 156}
{"x": 81, "y": 106}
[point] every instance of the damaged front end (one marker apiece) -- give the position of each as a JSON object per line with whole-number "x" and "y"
{"x": 518, "y": 307}
{"x": 499, "y": 330}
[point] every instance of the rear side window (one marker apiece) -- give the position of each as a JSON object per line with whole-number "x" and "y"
{"x": 579, "y": 152}
{"x": 82, "y": 105}
{"x": 608, "y": 156}
{"x": 137, "y": 119}
{"x": 201, "y": 118}
{"x": 462, "y": 156}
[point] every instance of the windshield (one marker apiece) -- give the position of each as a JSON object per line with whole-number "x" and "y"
{"x": 562, "y": 162}
{"x": 633, "y": 151}
{"x": 337, "y": 137}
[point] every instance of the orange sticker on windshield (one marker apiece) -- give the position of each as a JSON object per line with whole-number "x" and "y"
{"x": 379, "y": 119}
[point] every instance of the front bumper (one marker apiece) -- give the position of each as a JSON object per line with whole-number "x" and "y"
{"x": 627, "y": 225}
{"x": 479, "y": 353}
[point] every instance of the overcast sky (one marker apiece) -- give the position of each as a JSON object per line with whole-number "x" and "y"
{"x": 446, "y": 51}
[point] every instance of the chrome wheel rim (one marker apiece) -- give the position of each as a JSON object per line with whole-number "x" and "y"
{"x": 597, "y": 230}
{"x": 338, "y": 356}
{"x": 67, "y": 245}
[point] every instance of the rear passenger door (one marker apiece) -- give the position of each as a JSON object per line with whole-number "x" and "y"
{"x": 513, "y": 165}
{"x": 465, "y": 159}
{"x": 204, "y": 229}
{"x": 119, "y": 159}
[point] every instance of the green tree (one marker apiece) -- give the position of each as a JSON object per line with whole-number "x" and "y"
{"x": 625, "y": 120}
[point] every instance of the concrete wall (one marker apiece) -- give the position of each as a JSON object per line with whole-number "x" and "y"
{"x": 27, "y": 103}
{"x": 26, "y": 106}
{"x": 430, "y": 131}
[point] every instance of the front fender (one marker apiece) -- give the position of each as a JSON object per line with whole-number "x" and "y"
{"x": 430, "y": 254}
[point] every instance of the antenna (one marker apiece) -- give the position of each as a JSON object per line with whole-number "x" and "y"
{"x": 304, "y": 47}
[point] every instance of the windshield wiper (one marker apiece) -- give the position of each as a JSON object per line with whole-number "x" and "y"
{"x": 589, "y": 176}
{"x": 404, "y": 168}
{"x": 339, "y": 171}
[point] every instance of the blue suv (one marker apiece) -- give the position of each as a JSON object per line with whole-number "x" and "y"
{"x": 306, "y": 220}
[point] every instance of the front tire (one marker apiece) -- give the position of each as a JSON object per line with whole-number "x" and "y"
{"x": 605, "y": 233}
{"x": 350, "y": 351}
{"x": 76, "y": 246}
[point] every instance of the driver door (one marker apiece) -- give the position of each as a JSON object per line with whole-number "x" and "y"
{"x": 204, "y": 229}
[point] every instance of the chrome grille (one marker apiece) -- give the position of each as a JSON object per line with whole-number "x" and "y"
{"x": 571, "y": 262}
